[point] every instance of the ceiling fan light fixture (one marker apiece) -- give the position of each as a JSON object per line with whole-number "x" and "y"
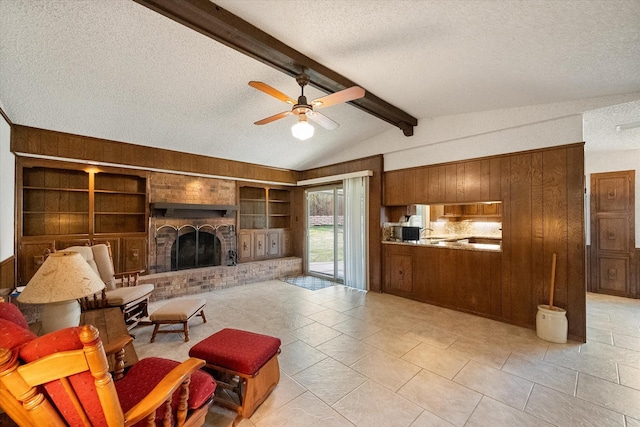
{"x": 302, "y": 130}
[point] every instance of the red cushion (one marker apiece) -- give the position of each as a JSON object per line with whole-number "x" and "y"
{"x": 240, "y": 351}
{"x": 12, "y": 312}
{"x": 82, "y": 383}
{"x": 148, "y": 372}
{"x": 13, "y": 335}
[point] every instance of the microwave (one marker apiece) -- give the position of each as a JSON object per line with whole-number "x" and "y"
{"x": 405, "y": 233}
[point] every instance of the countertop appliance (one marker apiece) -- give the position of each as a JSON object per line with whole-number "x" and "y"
{"x": 406, "y": 233}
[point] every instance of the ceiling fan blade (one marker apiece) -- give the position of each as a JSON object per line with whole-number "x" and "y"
{"x": 345, "y": 95}
{"x": 273, "y": 118}
{"x": 273, "y": 92}
{"x": 322, "y": 120}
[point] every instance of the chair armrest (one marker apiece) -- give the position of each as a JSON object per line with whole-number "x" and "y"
{"x": 163, "y": 392}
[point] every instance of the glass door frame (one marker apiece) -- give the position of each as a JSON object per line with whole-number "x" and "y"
{"x": 337, "y": 187}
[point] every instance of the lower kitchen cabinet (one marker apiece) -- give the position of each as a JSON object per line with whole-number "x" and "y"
{"x": 464, "y": 280}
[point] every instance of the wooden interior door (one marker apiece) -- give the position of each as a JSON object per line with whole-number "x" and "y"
{"x": 613, "y": 234}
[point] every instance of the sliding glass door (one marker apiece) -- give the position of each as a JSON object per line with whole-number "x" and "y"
{"x": 325, "y": 232}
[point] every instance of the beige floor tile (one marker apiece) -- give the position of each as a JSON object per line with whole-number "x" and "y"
{"x": 491, "y": 413}
{"x": 341, "y": 305}
{"x": 613, "y": 353}
{"x": 564, "y": 410}
{"x": 480, "y": 351}
{"x": 626, "y": 341}
{"x": 329, "y": 317}
{"x": 394, "y": 344}
{"x": 305, "y": 410}
{"x": 600, "y": 335}
{"x": 524, "y": 342}
{"x": 357, "y": 328}
{"x": 391, "y": 409}
{"x": 586, "y": 363}
{"x": 389, "y": 371}
{"x": 346, "y": 349}
{"x": 315, "y": 334}
{"x": 446, "y": 399}
{"x": 436, "y": 337}
{"x": 499, "y": 385}
{"x": 632, "y": 422}
{"x": 427, "y": 419}
{"x": 612, "y": 396}
{"x": 286, "y": 390}
{"x": 544, "y": 373}
{"x": 442, "y": 362}
{"x": 298, "y": 356}
{"x": 330, "y": 380}
{"x": 629, "y": 376}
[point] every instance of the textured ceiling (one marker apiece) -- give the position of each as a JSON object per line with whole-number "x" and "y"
{"x": 117, "y": 70}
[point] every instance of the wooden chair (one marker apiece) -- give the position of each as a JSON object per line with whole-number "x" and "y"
{"x": 121, "y": 289}
{"x": 66, "y": 372}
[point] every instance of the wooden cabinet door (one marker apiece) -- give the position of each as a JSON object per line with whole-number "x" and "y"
{"x": 133, "y": 255}
{"x": 273, "y": 242}
{"x": 400, "y": 187}
{"x": 612, "y": 269}
{"x": 260, "y": 245}
{"x": 245, "y": 246}
{"x": 399, "y": 275}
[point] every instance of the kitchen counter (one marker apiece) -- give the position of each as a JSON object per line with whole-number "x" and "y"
{"x": 470, "y": 243}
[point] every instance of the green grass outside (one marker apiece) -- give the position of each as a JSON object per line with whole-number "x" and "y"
{"x": 321, "y": 243}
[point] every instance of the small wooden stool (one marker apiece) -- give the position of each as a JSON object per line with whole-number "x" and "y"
{"x": 243, "y": 362}
{"x": 177, "y": 311}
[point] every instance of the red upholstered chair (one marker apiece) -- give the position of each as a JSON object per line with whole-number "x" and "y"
{"x": 62, "y": 379}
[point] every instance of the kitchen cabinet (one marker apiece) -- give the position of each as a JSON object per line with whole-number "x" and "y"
{"x": 465, "y": 280}
{"x": 400, "y": 187}
{"x": 399, "y": 271}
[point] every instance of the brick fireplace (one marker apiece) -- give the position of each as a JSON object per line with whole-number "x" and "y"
{"x": 192, "y": 238}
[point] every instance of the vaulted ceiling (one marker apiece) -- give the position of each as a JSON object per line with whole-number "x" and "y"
{"x": 118, "y": 70}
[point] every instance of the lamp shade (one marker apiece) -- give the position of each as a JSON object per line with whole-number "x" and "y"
{"x": 302, "y": 130}
{"x": 63, "y": 276}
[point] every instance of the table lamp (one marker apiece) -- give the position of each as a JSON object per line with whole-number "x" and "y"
{"x": 59, "y": 282}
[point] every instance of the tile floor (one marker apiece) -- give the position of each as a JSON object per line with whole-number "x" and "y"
{"x": 355, "y": 359}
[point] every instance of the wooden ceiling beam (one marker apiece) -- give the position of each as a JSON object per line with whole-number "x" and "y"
{"x": 219, "y": 24}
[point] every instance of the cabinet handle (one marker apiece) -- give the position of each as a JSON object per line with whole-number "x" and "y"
{"x": 259, "y": 244}
{"x": 244, "y": 246}
{"x": 273, "y": 244}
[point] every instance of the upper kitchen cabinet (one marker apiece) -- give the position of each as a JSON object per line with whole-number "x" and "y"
{"x": 464, "y": 182}
{"x": 399, "y": 187}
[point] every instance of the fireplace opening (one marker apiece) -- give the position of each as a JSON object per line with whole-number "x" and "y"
{"x": 195, "y": 249}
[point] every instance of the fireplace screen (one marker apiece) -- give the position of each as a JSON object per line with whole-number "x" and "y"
{"x": 194, "y": 246}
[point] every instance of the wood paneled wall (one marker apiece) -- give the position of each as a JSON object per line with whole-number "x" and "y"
{"x": 58, "y": 144}
{"x": 375, "y": 164}
{"x": 542, "y": 192}
{"x": 7, "y": 273}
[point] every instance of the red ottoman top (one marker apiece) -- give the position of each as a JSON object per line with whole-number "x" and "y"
{"x": 240, "y": 351}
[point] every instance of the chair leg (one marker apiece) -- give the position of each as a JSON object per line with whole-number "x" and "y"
{"x": 186, "y": 330}
{"x": 155, "y": 331}
{"x": 204, "y": 319}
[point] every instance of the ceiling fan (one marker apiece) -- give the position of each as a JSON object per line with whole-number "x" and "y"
{"x": 306, "y": 110}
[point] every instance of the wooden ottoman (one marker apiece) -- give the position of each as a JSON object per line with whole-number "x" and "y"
{"x": 246, "y": 364}
{"x": 177, "y": 311}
